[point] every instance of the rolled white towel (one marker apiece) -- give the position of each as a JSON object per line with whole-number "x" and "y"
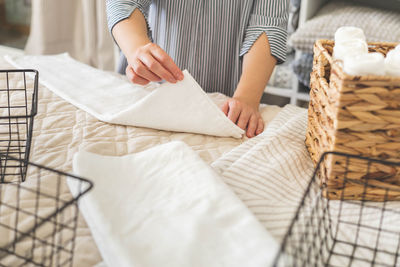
{"x": 349, "y": 48}
{"x": 349, "y": 33}
{"x": 365, "y": 64}
{"x": 392, "y": 62}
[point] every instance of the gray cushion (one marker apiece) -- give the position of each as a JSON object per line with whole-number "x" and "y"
{"x": 379, "y": 25}
{"x": 388, "y": 4}
{"x": 302, "y": 68}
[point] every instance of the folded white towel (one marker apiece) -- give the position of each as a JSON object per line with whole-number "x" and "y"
{"x": 350, "y": 48}
{"x": 365, "y": 64}
{"x": 392, "y": 62}
{"x": 166, "y": 207}
{"x": 181, "y": 107}
{"x": 346, "y": 33}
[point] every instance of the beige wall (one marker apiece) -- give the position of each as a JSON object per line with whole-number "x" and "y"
{"x": 78, "y": 27}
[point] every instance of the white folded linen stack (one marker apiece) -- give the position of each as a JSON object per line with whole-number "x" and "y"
{"x": 352, "y": 49}
{"x": 392, "y": 62}
{"x": 349, "y": 42}
{"x": 166, "y": 207}
{"x": 180, "y": 107}
{"x": 365, "y": 64}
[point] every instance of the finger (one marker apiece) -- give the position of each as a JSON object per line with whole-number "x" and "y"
{"x": 260, "y": 127}
{"x": 154, "y": 66}
{"x": 234, "y": 111}
{"x": 133, "y": 77}
{"x": 225, "y": 108}
{"x": 252, "y": 126}
{"x": 144, "y": 72}
{"x": 243, "y": 119}
{"x": 167, "y": 62}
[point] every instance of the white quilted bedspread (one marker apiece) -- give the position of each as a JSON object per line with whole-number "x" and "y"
{"x": 268, "y": 173}
{"x": 60, "y": 130}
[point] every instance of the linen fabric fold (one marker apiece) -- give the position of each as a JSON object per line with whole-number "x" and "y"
{"x": 166, "y": 207}
{"x": 180, "y": 107}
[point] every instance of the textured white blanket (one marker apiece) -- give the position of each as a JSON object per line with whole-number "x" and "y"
{"x": 180, "y": 107}
{"x": 271, "y": 171}
{"x": 166, "y": 207}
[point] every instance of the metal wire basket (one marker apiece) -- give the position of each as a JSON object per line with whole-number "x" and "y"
{"x": 39, "y": 217}
{"x": 18, "y": 106}
{"x": 342, "y": 232}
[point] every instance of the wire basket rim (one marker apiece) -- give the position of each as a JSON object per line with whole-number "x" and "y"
{"x": 82, "y": 179}
{"x": 35, "y": 92}
{"x": 89, "y": 186}
{"x": 308, "y": 188}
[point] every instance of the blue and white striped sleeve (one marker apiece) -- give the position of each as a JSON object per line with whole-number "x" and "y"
{"x": 269, "y": 16}
{"x": 118, "y": 10}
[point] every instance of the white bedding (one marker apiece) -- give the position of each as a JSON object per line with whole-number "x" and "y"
{"x": 180, "y": 107}
{"x": 60, "y": 130}
{"x": 166, "y": 207}
{"x": 271, "y": 171}
{"x": 268, "y": 173}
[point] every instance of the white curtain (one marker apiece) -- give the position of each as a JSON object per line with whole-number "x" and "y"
{"x": 78, "y": 27}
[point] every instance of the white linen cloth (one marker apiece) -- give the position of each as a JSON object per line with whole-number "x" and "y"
{"x": 392, "y": 62}
{"x": 365, "y": 64}
{"x": 180, "y": 107}
{"x": 346, "y": 33}
{"x": 349, "y": 42}
{"x": 166, "y": 207}
{"x": 270, "y": 173}
{"x": 349, "y": 49}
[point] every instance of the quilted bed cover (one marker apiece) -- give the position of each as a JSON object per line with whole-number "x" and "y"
{"x": 61, "y": 130}
{"x": 268, "y": 173}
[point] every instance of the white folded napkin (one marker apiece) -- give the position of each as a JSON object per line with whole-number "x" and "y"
{"x": 392, "y": 62}
{"x": 346, "y": 33}
{"x": 365, "y": 64}
{"x": 350, "y": 48}
{"x": 181, "y": 107}
{"x": 349, "y": 42}
{"x": 166, "y": 207}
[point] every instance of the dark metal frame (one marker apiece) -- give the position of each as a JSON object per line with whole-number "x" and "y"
{"x": 312, "y": 239}
{"x": 14, "y": 141}
{"x": 43, "y": 232}
{"x": 31, "y": 246}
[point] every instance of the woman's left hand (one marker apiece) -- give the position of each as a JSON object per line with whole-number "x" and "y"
{"x": 245, "y": 115}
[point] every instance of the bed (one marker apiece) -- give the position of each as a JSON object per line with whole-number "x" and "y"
{"x": 60, "y": 130}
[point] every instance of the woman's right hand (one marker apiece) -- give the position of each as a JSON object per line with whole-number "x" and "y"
{"x": 150, "y": 63}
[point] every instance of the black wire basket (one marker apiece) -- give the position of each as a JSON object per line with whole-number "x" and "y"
{"x": 18, "y": 106}
{"x": 343, "y": 232}
{"x": 39, "y": 217}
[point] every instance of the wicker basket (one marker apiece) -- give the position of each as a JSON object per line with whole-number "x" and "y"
{"x": 357, "y": 115}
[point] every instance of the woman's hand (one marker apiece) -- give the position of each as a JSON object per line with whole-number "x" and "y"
{"x": 242, "y": 109}
{"x": 245, "y": 114}
{"x": 147, "y": 62}
{"x": 150, "y": 63}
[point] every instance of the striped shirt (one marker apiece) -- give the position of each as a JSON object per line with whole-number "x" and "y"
{"x": 209, "y": 37}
